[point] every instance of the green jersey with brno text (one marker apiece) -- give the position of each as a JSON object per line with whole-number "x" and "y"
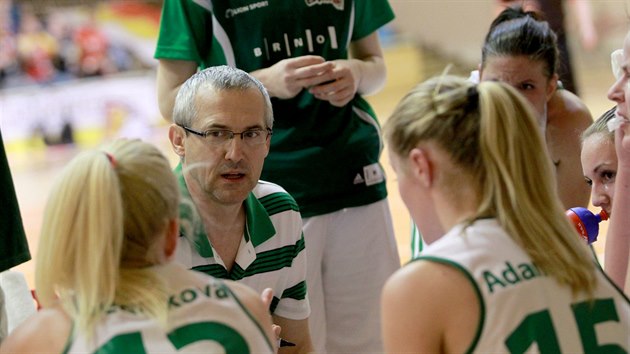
{"x": 326, "y": 157}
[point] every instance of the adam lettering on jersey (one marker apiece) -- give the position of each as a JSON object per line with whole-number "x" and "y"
{"x": 510, "y": 275}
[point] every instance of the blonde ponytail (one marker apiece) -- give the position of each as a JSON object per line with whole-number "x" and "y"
{"x": 492, "y": 137}
{"x": 106, "y": 212}
{"x": 81, "y": 241}
{"x": 519, "y": 188}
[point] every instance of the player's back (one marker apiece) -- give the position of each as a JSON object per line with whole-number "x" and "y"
{"x": 524, "y": 310}
{"x": 204, "y": 316}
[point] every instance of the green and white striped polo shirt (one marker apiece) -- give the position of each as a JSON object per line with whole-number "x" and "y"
{"x": 271, "y": 253}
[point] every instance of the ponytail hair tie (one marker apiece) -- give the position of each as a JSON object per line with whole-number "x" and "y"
{"x": 111, "y": 159}
{"x": 473, "y": 98}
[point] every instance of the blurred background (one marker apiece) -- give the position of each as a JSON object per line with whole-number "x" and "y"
{"x": 77, "y": 73}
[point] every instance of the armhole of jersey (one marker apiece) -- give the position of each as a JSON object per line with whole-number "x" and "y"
{"x": 369, "y": 119}
{"x": 473, "y": 283}
{"x": 601, "y": 270}
{"x": 69, "y": 341}
{"x": 251, "y": 317}
{"x": 594, "y": 253}
{"x": 417, "y": 243}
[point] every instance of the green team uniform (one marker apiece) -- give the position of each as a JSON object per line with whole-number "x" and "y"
{"x": 204, "y": 316}
{"x": 13, "y": 244}
{"x": 326, "y": 157}
{"x": 523, "y": 310}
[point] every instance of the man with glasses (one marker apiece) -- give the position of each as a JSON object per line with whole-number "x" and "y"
{"x": 233, "y": 225}
{"x": 317, "y": 59}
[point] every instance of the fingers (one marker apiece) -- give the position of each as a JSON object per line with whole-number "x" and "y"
{"x": 326, "y": 80}
{"x": 334, "y": 85}
{"x": 343, "y": 99}
{"x": 338, "y": 92}
{"x": 333, "y": 91}
{"x": 306, "y": 60}
{"x": 276, "y": 330}
{"x": 308, "y": 66}
{"x": 267, "y": 296}
{"x": 339, "y": 98}
{"x": 315, "y": 74}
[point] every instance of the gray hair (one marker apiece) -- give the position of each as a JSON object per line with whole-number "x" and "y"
{"x": 220, "y": 78}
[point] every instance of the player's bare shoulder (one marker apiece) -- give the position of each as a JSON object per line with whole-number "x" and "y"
{"x": 567, "y": 110}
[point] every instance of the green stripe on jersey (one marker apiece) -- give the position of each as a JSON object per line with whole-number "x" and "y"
{"x": 267, "y": 261}
{"x": 215, "y": 270}
{"x": 270, "y": 261}
{"x": 276, "y": 203}
{"x": 274, "y": 303}
{"x": 297, "y": 292}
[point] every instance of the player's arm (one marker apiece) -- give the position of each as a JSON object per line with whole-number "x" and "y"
{"x": 47, "y": 331}
{"x": 428, "y": 307}
{"x": 296, "y": 332}
{"x": 367, "y": 55}
{"x": 171, "y": 74}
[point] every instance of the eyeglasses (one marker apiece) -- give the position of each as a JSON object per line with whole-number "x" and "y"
{"x": 218, "y": 137}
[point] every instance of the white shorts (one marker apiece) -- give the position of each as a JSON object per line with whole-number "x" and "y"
{"x": 350, "y": 255}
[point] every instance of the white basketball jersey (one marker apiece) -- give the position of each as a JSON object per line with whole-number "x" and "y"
{"x": 204, "y": 317}
{"x": 522, "y": 309}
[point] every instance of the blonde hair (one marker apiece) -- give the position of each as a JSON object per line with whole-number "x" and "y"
{"x": 600, "y": 126}
{"x": 491, "y": 134}
{"x": 105, "y": 219}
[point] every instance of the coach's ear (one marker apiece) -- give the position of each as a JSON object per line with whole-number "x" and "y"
{"x": 177, "y": 136}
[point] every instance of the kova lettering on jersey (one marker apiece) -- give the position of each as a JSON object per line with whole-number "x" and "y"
{"x": 190, "y": 295}
{"x": 311, "y": 40}
{"x": 243, "y": 9}
{"x": 337, "y": 4}
{"x": 510, "y": 275}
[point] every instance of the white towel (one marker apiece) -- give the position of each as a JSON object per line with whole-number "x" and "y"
{"x": 17, "y": 298}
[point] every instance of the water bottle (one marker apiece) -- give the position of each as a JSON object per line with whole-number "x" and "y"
{"x": 586, "y": 222}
